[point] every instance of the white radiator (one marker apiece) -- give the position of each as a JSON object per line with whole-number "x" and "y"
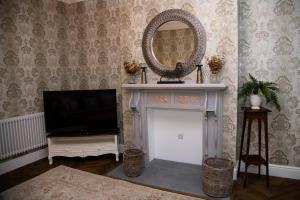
{"x": 21, "y": 134}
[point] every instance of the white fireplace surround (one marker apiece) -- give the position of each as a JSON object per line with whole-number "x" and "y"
{"x": 206, "y": 98}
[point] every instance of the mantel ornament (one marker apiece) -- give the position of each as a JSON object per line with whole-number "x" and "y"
{"x": 180, "y": 68}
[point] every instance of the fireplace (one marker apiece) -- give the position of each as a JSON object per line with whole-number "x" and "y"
{"x": 205, "y": 99}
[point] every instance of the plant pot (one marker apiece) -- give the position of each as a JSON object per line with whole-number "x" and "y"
{"x": 132, "y": 78}
{"x": 255, "y": 101}
{"x": 214, "y": 78}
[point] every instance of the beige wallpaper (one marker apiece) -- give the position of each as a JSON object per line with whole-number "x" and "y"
{"x": 219, "y": 19}
{"x": 94, "y": 55}
{"x": 70, "y": 1}
{"x": 172, "y": 46}
{"x": 269, "y": 48}
{"x": 31, "y": 53}
{"x": 49, "y": 45}
{"x": 93, "y": 36}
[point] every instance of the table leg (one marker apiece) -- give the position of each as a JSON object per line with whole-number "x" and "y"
{"x": 247, "y": 151}
{"x": 267, "y": 149}
{"x": 242, "y": 142}
{"x": 259, "y": 143}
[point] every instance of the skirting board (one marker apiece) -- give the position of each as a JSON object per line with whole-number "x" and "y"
{"x": 274, "y": 170}
{"x": 26, "y": 159}
{"x": 22, "y": 160}
{"x": 283, "y": 171}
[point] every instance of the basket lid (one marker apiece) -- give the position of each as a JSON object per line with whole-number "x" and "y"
{"x": 218, "y": 163}
{"x": 133, "y": 152}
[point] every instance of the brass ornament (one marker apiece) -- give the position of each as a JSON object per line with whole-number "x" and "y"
{"x": 215, "y": 63}
{"x": 131, "y": 68}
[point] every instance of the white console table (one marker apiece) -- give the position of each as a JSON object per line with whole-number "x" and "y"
{"x": 82, "y": 146}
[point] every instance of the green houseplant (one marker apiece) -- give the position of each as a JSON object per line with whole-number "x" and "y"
{"x": 256, "y": 89}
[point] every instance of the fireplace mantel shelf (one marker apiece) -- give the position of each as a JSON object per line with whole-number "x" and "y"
{"x": 219, "y": 86}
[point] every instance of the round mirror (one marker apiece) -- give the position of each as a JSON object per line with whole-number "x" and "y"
{"x": 174, "y": 31}
{"x": 173, "y": 42}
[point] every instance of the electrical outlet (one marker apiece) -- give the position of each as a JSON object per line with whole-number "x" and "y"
{"x": 180, "y": 136}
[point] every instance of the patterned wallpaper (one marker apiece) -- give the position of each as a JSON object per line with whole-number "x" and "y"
{"x": 269, "y": 48}
{"x": 93, "y": 35}
{"x": 32, "y": 53}
{"x": 219, "y": 19}
{"x": 172, "y": 46}
{"x": 70, "y": 1}
{"x": 49, "y": 45}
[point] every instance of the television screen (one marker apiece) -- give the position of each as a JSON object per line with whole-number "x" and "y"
{"x": 80, "y": 112}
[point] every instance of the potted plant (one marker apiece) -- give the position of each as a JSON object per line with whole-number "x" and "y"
{"x": 256, "y": 89}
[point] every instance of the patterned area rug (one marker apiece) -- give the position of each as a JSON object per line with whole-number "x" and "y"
{"x": 64, "y": 183}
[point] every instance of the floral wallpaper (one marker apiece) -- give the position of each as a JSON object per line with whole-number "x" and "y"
{"x": 94, "y": 55}
{"x": 49, "y": 45}
{"x": 32, "y": 53}
{"x": 269, "y": 49}
{"x": 219, "y": 19}
{"x": 172, "y": 46}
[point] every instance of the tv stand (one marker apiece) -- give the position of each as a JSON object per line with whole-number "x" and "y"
{"x": 82, "y": 146}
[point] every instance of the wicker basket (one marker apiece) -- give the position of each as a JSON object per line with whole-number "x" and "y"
{"x": 133, "y": 162}
{"x": 217, "y": 178}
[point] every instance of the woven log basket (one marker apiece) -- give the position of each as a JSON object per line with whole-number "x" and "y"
{"x": 217, "y": 178}
{"x": 133, "y": 162}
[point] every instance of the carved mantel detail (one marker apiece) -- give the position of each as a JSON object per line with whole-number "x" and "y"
{"x": 206, "y": 98}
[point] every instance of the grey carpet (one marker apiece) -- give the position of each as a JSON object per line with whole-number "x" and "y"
{"x": 171, "y": 175}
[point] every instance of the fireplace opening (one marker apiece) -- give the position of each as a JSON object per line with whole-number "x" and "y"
{"x": 175, "y": 135}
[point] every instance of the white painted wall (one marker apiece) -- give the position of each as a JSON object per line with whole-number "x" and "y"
{"x": 175, "y": 135}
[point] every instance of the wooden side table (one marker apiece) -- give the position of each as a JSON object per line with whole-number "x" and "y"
{"x": 249, "y": 116}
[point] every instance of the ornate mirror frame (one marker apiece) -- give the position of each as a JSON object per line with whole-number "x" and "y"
{"x": 199, "y": 42}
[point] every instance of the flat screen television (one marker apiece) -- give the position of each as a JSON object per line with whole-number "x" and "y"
{"x": 80, "y": 112}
